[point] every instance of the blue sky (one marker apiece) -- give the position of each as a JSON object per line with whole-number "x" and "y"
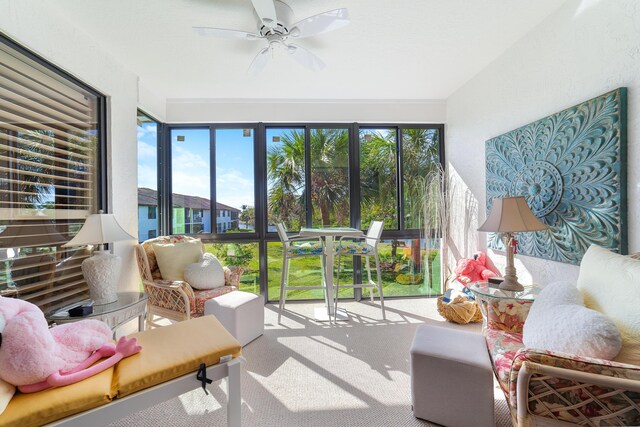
{"x": 147, "y": 155}
{"x": 191, "y": 163}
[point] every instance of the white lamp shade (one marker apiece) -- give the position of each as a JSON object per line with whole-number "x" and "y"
{"x": 511, "y": 215}
{"x": 99, "y": 229}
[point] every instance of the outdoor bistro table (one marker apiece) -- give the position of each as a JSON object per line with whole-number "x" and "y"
{"x": 329, "y": 234}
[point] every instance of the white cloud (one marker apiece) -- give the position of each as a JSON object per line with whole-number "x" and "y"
{"x": 185, "y": 159}
{"x": 149, "y": 130}
{"x": 190, "y": 173}
{"x": 147, "y": 176}
{"x": 191, "y": 183}
{"x": 146, "y": 151}
{"x": 234, "y": 188}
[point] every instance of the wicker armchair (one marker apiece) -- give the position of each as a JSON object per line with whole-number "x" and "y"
{"x": 554, "y": 388}
{"x": 174, "y": 300}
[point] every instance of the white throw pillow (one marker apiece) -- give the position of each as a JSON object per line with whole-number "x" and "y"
{"x": 206, "y": 273}
{"x": 559, "y": 321}
{"x": 173, "y": 258}
{"x": 610, "y": 283}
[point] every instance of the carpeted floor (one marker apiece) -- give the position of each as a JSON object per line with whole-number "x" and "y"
{"x": 306, "y": 373}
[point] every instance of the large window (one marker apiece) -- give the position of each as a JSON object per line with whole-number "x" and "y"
{"x": 329, "y": 183}
{"x": 420, "y": 155}
{"x": 308, "y": 175}
{"x": 235, "y": 195}
{"x": 286, "y": 179}
{"x": 51, "y": 143}
{"x": 190, "y": 181}
{"x": 307, "y": 167}
{"x": 379, "y": 176}
{"x": 148, "y": 133}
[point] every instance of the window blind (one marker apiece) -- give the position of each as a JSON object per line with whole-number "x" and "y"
{"x": 49, "y": 143}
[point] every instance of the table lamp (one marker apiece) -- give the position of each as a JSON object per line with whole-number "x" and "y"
{"x": 102, "y": 269}
{"x": 511, "y": 215}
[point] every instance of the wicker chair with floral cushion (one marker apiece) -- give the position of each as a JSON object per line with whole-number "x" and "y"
{"x": 174, "y": 300}
{"x": 554, "y": 388}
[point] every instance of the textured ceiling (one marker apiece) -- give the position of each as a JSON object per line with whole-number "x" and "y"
{"x": 393, "y": 49}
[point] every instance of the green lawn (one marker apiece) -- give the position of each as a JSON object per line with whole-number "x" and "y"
{"x": 400, "y": 278}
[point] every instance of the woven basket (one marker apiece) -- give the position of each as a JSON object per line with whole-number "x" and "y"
{"x": 460, "y": 310}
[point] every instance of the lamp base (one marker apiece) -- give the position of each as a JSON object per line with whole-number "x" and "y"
{"x": 510, "y": 282}
{"x": 511, "y": 285}
{"x": 101, "y": 271}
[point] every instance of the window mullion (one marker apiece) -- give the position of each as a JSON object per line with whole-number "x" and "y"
{"x": 212, "y": 183}
{"x": 400, "y": 179}
{"x": 307, "y": 176}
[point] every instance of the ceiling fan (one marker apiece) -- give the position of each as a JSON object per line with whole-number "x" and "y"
{"x": 277, "y": 27}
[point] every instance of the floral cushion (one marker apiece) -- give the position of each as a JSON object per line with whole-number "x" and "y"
{"x": 200, "y": 297}
{"x": 354, "y": 248}
{"x": 308, "y": 248}
{"x": 503, "y": 347}
{"x": 506, "y": 314}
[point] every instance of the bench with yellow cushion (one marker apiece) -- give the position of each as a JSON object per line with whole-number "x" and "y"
{"x": 169, "y": 353}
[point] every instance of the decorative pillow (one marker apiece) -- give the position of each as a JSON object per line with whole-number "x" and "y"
{"x": 6, "y": 393}
{"x": 173, "y": 258}
{"x": 206, "y": 273}
{"x": 559, "y": 321}
{"x": 610, "y": 283}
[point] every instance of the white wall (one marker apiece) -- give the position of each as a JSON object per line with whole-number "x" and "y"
{"x": 288, "y": 111}
{"x": 584, "y": 49}
{"x": 152, "y": 103}
{"x": 38, "y": 26}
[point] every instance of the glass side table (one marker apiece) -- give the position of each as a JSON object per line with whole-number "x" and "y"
{"x": 128, "y": 306}
{"x": 503, "y": 310}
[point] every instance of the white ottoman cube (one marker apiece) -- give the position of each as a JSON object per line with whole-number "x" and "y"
{"x": 451, "y": 377}
{"x": 241, "y": 313}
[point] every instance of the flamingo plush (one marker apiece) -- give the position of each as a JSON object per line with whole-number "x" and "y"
{"x": 35, "y": 357}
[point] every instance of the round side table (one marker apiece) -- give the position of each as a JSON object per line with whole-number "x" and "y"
{"x": 503, "y": 310}
{"x": 128, "y": 306}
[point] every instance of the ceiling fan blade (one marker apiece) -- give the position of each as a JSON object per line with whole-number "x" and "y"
{"x": 225, "y": 34}
{"x": 321, "y": 23}
{"x": 304, "y": 57}
{"x": 266, "y": 11}
{"x": 259, "y": 62}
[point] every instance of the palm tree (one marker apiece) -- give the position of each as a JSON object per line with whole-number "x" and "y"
{"x": 330, "y": 175}
{"x": 378, "y": 177}
{"x": 329, "y": 184}
{"x": 285, "y": 170}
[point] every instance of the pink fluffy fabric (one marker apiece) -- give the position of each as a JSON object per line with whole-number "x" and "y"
{"x": 30, "y": 352}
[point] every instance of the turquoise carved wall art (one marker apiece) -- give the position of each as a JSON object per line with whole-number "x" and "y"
{"x": 571, "y": 168}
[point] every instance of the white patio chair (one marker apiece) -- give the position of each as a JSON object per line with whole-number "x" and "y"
{"x": 296, "y": 247}
{"x": 366, "y": 247}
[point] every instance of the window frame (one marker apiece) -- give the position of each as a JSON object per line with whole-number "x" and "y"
{"x": 159, "y": 172}
{"x": 261, "y": 235}
{"x": 101, "y": 132}
{"x": 103, "y": 123}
